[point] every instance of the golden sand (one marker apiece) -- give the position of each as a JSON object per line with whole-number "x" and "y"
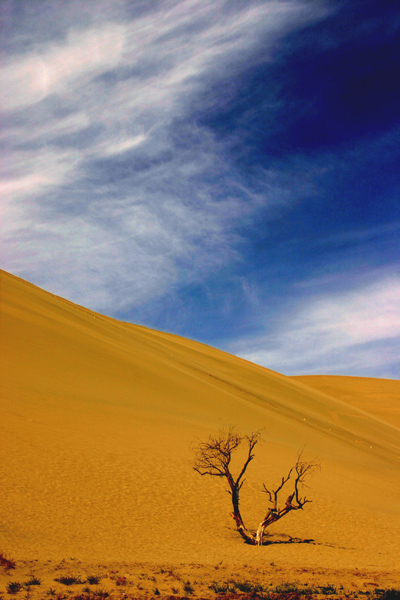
{"x": 378, "y": 397}
{"x": 97, "y": 421}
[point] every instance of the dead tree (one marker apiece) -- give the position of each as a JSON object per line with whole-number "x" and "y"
{"x": 214, "y": 456}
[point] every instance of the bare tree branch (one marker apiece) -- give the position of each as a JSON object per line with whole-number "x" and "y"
{"x": 252, "y": 440}
{"x": 214, "y": 456}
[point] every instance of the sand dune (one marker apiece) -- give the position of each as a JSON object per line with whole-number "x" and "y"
{"x": 97, "y": 419}
{"x": 378, "y": 397}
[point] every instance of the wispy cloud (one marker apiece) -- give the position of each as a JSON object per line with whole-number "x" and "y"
{"x": 124, "y": 145}
{"x": 30, "y": 78}
{"x": 112, "y": 193}
{"x": 355, "y": 332}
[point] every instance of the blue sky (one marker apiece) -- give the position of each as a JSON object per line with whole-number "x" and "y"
{"x": 225, "y": 170}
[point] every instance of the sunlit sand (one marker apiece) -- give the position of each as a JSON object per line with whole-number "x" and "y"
{"x": 379, "y": 397}
{"x": 97, "y": 422}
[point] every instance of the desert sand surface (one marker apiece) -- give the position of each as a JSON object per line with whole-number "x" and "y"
{"x": 378, "y": 397}
{"x": 98, "y": 418}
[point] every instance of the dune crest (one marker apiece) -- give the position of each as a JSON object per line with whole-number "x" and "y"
{"x": 97, "y": 421}
{"x": 378, "y": 397}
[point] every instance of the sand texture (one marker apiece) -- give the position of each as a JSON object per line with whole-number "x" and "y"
{"x": 378, "y": 397}
{"x": 97, "y": 421}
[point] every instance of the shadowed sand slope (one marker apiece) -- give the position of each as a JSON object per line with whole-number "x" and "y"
{"x": 97, "y": 419}
{"x": 379, "y": 397}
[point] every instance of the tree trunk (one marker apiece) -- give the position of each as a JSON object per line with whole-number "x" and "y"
{"x": 237, "y": 517}
{"x": 269, "y": 518}
{"x": 260, "y": 534}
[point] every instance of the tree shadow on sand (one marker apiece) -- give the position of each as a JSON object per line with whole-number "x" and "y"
{"x": 283, "y": 538}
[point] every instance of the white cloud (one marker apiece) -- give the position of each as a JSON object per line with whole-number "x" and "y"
{"x": 358, "y": 317}
{"x": 112, "y": 194}
{"x": 123, "y": 145}
{"x": 29, "y": 175}
{"x": 354, "y": 332}
{"x": 29, "y": 79}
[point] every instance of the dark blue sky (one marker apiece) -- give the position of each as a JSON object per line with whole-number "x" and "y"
{"x": 226, "y": 171}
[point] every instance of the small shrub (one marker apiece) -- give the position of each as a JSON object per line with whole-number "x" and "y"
{"x": 232, "y": 587}
{"x": 93, "y": 579}
{"x": 33, "y": 581}
{"x": 245, "y": 586}
{"x": 6, "y": 563}
{"x": 51, "y": 592}
{"x": 14, "y": 587}
{"x": 122, "y": 580}
{"x": 101, "y": 594}
{"x": 328, "y": 590}
{"x": 219, "y": 588}
{"x": 188, "y": 588}
{"x": 68, "y": 580}
{"x": 286, "y": 588}
{"x": 169, "y": 573}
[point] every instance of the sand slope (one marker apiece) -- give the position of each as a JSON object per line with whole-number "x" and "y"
{"x": 379, "y": 397}
{"x": 97, "y": 419}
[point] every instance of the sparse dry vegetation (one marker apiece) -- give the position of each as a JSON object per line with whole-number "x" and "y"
{"x": 14, "y": 587}
{"x": 68, "y": 580}
{"x": 93, "y": 579}
{"x": 32, "y": 581}
{"x": 177, "y": 582}
{"x": 6, "y": 563}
